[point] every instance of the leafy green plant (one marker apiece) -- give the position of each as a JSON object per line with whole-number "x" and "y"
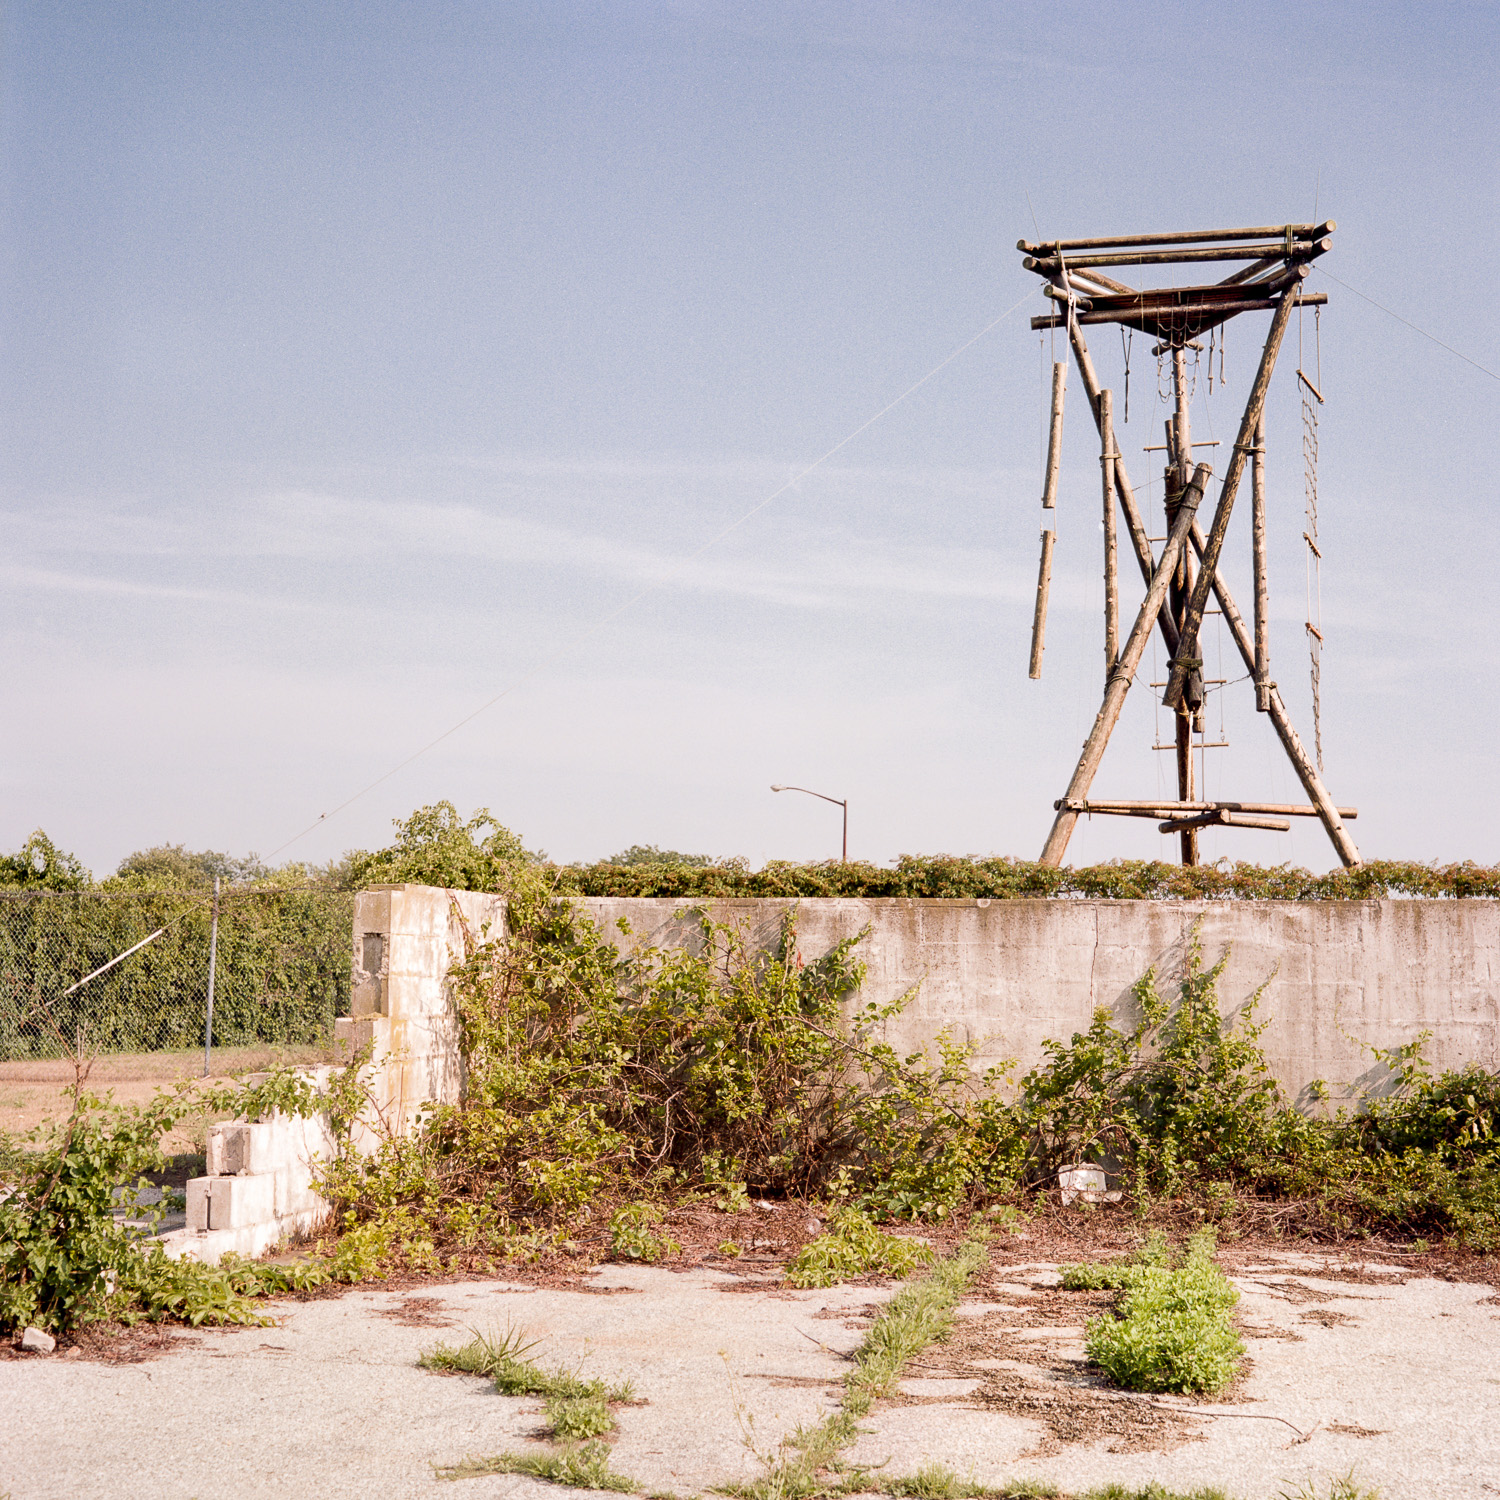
{"x": 854, "y": 1245}
{"x": 68, "y": 1256}
{"x": 597, "y": 1077}
{"x": 969, "y": 878}
{"x": 1174, "y": 1331}
{"x": 633, "y": 1235}
{"x": 576, "y": 1418}
{"x": 485, "y": 1354}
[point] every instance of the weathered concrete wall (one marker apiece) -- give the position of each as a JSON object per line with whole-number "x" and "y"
{"x": 406, "y": 939}
{"x": 1341, "y": 977}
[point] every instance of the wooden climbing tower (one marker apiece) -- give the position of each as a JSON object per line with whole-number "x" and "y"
{"x": 1080, "y": 275}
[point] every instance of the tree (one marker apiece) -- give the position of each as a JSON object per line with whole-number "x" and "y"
{"x": 435, "y": 846}
{"x": 174, "y": 867}
{"x": 39, "y": 865}
{"x": 649, "y": 854}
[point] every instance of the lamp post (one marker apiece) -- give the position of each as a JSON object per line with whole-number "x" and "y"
{"x": 837, "y": 802}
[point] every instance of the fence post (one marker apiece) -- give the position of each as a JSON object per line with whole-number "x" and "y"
{"x": 213, "y": 956}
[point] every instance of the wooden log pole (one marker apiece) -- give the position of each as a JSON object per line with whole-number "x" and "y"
{"x": 1187, "y": 646}
{"x": 1039, "y": 619}
{"x": 1180, "y": 451}
{"x": 1188, "y": 237}
{"x": 1054, "y": 436}
{"x": 1120, "y": 680}
{"x": 1223, "y": 820}
{"x": 1258, "y": 557}
{"x": 1164, "y": 808}
{"x": 1159, "y": 318}
{"x": 1111, "y": 558}
{"x": 1174, "y": 257}
{"x": 1140, "y": 540}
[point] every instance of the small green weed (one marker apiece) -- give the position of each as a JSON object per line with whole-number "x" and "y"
{"x": 1102, "y": 1275}
{"x": 918, "y": 1315}
{"x": 502, "y": 1358}
{"x": 583, "y": 1466}
{"x": 1174, "y": 1331}
{"x": 1152, "y": 1491}
{"x": 854, "y": 1246}
{"x": 633, "y": 1236}
{"x": 484, "y": 1354}
{"x": 939, "y": 1482}
{"x": 574, "y": 1419}
{"x": 1342, "y": 1488}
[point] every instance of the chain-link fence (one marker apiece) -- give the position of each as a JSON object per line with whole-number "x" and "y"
{"x": 280, "y": 960}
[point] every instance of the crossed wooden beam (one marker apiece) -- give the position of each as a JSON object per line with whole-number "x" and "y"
{"x": 1279, "y": 259}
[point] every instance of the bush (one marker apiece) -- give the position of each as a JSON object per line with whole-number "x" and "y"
{"x": 854, "y": 1246}
{"x": 1173, "y": 1332}
{"x": 67, "y": 1259}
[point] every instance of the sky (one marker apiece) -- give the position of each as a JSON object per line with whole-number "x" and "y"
{"x": 420, "y": 401}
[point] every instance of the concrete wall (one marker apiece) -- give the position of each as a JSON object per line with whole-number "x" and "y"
{"x": 406, "y": 938}
{"x": 1340, "y": 976}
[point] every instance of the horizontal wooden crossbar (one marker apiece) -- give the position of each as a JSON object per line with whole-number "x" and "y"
{"x": 1225, "y": 820}
{"x": 1163, "y": 319}
{"x": 1183, "y": 237}
{"x": 1171, "y": 809}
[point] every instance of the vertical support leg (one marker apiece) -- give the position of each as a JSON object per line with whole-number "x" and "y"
{"x": 1111, "y": 560}
{"x": 1262, "y": 666}
{"x": 1119, "y": 683}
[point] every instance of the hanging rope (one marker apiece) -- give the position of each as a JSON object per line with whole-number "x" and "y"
{"x": 1312, "y": 398}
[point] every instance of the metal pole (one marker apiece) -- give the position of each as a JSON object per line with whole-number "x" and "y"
{"x": 213, "y": 957}
{"x": 844, "y": 859}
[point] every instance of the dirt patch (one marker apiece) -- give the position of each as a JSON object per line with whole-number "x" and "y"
{"x": 114, "y": 1343}
{"x": 418, "y": 1312}
{"x": 1326, "y": 1316}
{"x": 1076, "y": 1413}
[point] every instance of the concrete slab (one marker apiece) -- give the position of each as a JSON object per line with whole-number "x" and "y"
{"x": 1398, "y": 1383}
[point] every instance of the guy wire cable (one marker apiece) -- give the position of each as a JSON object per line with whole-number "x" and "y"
{"x": 610, "y": 616}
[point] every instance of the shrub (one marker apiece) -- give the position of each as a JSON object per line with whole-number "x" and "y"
{"x": 1173, "y": 1332}
{"x": 854, "y": 1246}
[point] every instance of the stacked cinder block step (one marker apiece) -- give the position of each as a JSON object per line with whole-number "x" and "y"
{"x": 258, "y": 1189}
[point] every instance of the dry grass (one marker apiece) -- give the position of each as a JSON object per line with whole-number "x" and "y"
{"x": 35, "y": 1090}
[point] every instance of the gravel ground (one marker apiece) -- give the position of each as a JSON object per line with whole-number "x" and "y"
{"x": 1394, "y": 1379}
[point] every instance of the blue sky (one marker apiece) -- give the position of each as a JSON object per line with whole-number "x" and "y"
{"x": 366, "y": 361}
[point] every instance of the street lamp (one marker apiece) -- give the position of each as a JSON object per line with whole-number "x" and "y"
{"x": 837, "y": 802}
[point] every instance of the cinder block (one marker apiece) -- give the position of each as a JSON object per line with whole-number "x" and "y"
{"x": 198, "y": 1190}
{"x": 235, "y": 1202}
{"x": 350, "y": 1033}
{"x": 228, "y": 1149}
